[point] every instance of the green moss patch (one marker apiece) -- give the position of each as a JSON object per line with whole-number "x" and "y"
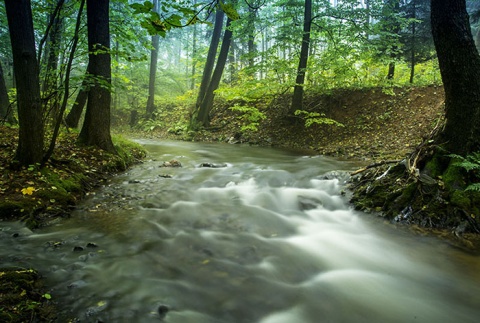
{"x": 22, "y": 298}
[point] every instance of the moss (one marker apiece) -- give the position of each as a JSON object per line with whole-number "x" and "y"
{"x": 10, "y": 209}
{"x": 129, "y": 153}
{"x": 459, "y": 198}
{"x": 453, "y": 177}
{"x": 434, "y": 167}
{"x": 21, "y": 297}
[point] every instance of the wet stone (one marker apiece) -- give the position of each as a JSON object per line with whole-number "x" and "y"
{"x": 172, "y": 163}
{"x": 308, "y": 203}
{"x": 210, "y": 165}
{"x": 77, "y": 248}
{"x": 92, "y": 245}
{"x": 163, "y": 310}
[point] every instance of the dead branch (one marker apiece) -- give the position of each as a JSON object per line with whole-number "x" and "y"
{"x": 384, "y": 162}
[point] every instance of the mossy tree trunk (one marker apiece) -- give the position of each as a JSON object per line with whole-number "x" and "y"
{"x": 460, "y": 69}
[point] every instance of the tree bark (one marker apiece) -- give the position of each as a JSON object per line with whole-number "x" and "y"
{"x": 30, "y": 112}
{"x": 5, "y": 109}
{"x": 212, "y": 52}
{"x": 207, "y": 103}
{"x": 460, "y": 69}
{"x": 96, "y": 127}
{"x": 73, "y": 117}
{"x": 153, "y": 71}
{"x": 413, "y": 40}
{"x": 392, "y": 25}
{"x": 297, "y": 99}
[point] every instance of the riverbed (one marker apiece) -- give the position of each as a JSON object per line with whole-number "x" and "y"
{"x": 240, "y": 234}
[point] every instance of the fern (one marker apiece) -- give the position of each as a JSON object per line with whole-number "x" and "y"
{"x": 471, "y": 164}
{"x": 316, "y": 118}
{"x": 473, "y": 187}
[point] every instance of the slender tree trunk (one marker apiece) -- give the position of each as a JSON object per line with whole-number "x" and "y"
{"x": 96, "y": 127}
{"x": 153, "y": 71}
{"x": 391, "y": 70}
{"x": 251, "y": 36}
{"x": 392, "y": 8}
{"x": 5, "y": 109}
{"x": 232, "y": 62}
{"x": 52, "y": 50}
{"x": 413, "y": 40}
{"x": 66, "y": 84}
{"x": 207, "y": 103}
{"x": 30, "y": 112}
{"x": 297, "y": 100}
{"x": 73, "y": 117}
{"x": 460, "y": 69}
{"x": 212, "y": 52}
{"x": 194, "y": 55}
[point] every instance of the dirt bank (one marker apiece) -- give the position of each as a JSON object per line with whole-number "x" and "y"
{"x": 378, "y": 124}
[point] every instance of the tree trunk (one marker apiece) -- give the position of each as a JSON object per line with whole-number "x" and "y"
{"x": 252, "y": 13}
{"x": 212, "y": 52}
{"x": 413, "y": 40}
{"x": 153, "y": 71}
{"x": 194, "y": 54}
{"x": 207, "y": 103}
{"x": 76, "y": 111}
{"x": 460, "y": 69}
{"x": 391, "y": 70}
{"x": 96, "y": 127}
{"x": 52, "y": 49}
{"x": 30, "y": 112}
{"x": 392, "y": 9}
{"x": 5, "y": 109}
{"x": 297, "y": 99}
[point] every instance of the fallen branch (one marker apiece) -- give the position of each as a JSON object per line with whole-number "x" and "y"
{"x": 384, "y": 162}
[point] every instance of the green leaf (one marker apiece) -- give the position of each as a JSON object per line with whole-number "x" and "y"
{"x": 230, "y": 11}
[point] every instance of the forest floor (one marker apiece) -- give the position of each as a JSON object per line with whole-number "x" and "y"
{"x": 377, "y": 124}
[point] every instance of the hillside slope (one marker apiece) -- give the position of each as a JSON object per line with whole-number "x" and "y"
{"x": 377, "y": 125}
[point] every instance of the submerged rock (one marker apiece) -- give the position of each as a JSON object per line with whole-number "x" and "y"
{"x": 172, "y": 163}
{"x": 163, "y": 310}
{"x": 210, "y": 165}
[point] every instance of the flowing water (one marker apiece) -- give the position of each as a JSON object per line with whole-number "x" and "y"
{"x": 266, "y": 236}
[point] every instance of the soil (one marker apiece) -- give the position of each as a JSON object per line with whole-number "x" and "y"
{"x": 378, "y": 124}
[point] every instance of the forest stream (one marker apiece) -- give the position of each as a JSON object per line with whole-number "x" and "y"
{"x": 240, "y": 234}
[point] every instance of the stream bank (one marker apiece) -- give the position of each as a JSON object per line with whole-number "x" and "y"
{"x": 38, "y": 197}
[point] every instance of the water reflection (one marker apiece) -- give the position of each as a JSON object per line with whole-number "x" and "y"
{"x": 267, "y": 238}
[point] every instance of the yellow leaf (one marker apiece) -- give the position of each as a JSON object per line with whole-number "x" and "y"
{"x": 28, "y": 191}
{"x": 206, "y": 261}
